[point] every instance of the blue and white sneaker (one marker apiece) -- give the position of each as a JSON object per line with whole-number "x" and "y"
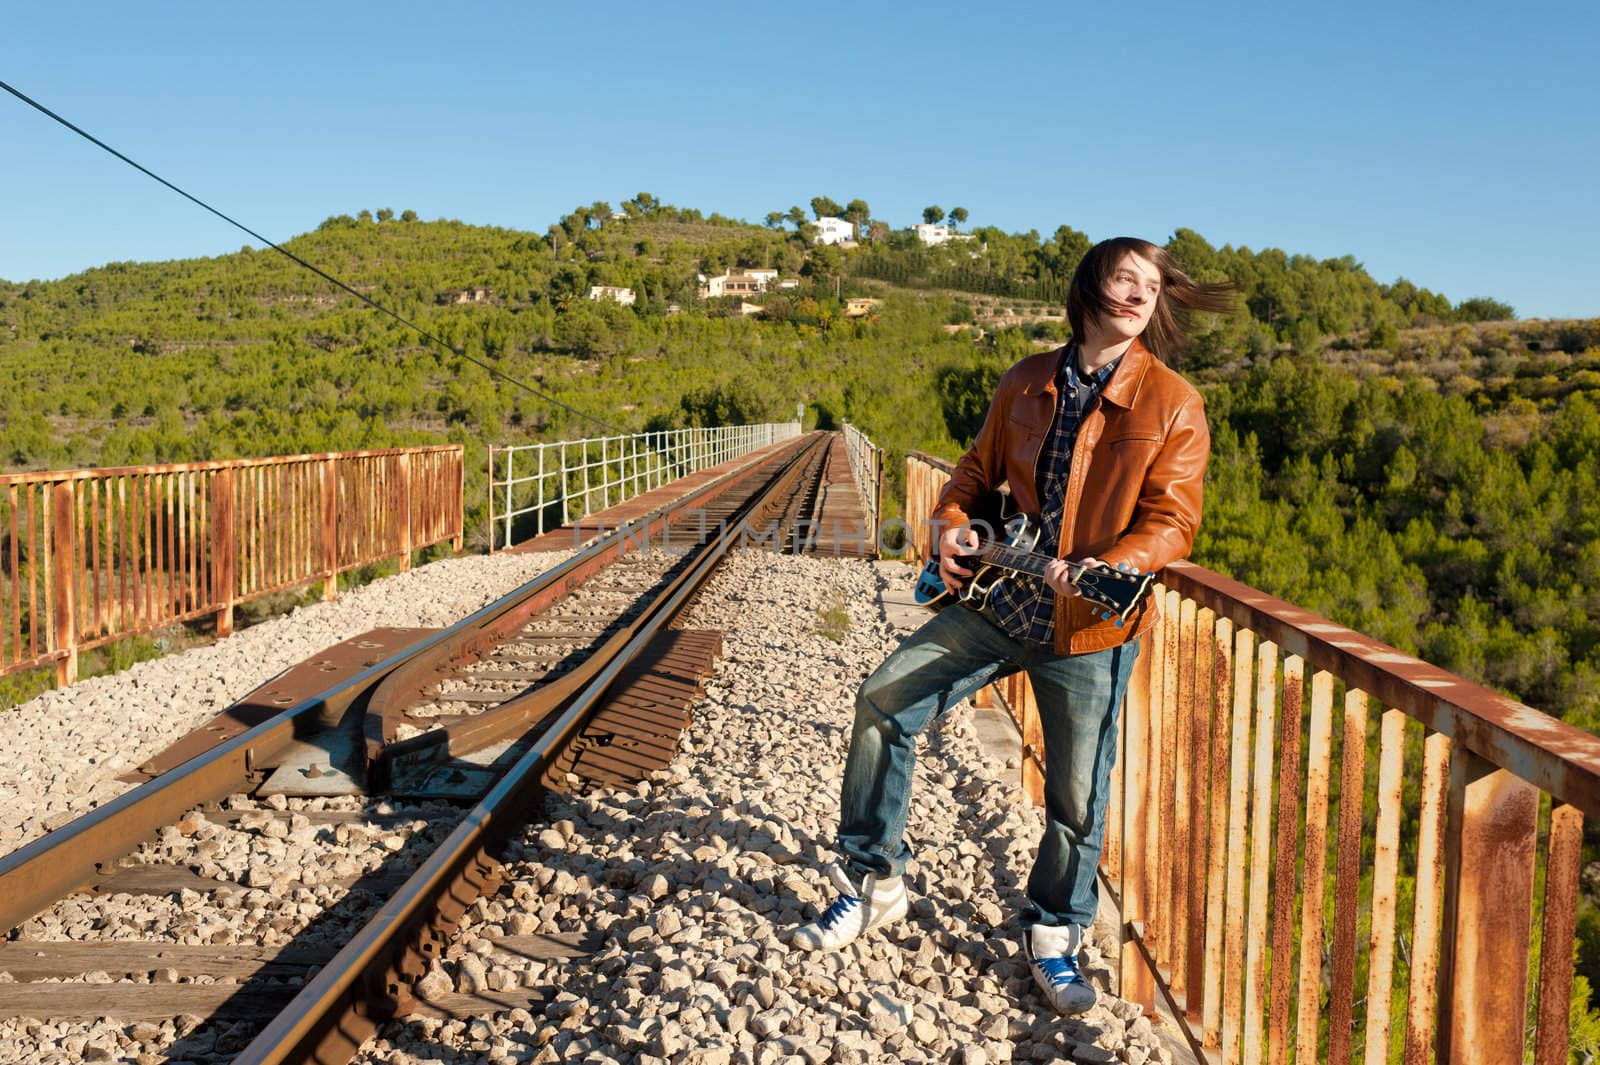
{"x": 880, "y": 900}
{"x": 1053, "y": 959}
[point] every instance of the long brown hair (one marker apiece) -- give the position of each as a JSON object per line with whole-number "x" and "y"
{"x": 1168, "y": 332}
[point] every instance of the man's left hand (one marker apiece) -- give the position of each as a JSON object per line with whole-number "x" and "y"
{"x": 1058, "y": 575}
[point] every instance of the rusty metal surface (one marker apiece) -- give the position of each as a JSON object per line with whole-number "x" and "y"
{"x": 1266, "y": 699}
{"x": 1551, "y": 754}
{"x": 1283, "y": 879}
{"x": 111, "y": 553}
{"x": 1200, "y": 710}
{"x": 1220, "y": 647}
{"x": 1492, "y": 844}
{"x": 1560, "y": 926}
{"x": 1425, "y": 921}
{"x": 1319, "y": 753}
{"x": 1135, "y": 981}
{"x": 1238, "y": 824}
{"x": 636, "y": 730}
{"x": 1385, "y": 870}
{"x": 1347, "y": 875}
{"x": 1159, "y": 869}
{"x": 1181, "y": 696}
{"x": 293, "y": 686}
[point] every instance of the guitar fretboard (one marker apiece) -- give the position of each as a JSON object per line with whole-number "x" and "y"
{"x": 1016, "y": 559}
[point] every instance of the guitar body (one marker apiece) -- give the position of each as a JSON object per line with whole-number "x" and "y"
{"x": 1021, "y": 532}
{"x": 1115, "y": 593}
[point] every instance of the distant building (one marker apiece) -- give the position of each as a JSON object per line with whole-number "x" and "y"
{"x": 832, "y": 230}
{"x": 860, "y": 306}
{"x": 933, "y": 235}
{"x": 623, "y": 296}
{"x": 465, "y": 295}
{"x": 748, "y": 283}
{"x": 789, "y": 282}
{"x": 751, "y": 310}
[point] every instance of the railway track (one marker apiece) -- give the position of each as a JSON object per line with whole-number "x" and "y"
{"x": 282, "y": 879}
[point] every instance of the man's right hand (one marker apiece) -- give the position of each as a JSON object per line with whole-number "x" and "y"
{"x": 952, "y": 542}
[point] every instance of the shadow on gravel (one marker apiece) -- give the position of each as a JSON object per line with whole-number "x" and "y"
{"x": 261, "y": 996}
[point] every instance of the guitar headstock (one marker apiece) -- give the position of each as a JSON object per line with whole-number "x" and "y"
{"x": 1116, "y": 591}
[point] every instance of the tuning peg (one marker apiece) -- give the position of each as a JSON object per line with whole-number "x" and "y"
{"x": 1119, "y": 623}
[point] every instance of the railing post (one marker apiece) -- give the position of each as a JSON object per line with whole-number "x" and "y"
{"x": 460, "y": 538}
{"x": 224, "y": 547}
{"x": 1491, "y": 841}
{"x": 1136, "y": 983}
{"x": 511, "y": 458}
{"x": 404, "y": 492}
{"x": 330, "y": 529}
{"x": 64, "y": 546}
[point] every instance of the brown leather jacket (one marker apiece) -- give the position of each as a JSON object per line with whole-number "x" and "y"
{"x": 1137, "y": 476}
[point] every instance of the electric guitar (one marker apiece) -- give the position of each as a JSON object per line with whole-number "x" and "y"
{"x": 1115, "y": 592}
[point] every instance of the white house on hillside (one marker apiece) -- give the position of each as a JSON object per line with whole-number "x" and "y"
{"x": 832, "y": 230}
{"x": 930, "y": 234}
{"x": 623, "y": 296}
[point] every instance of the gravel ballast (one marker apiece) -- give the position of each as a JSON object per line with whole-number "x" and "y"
{"x": 66, "y": 747}
{"x": 696, "y": 878}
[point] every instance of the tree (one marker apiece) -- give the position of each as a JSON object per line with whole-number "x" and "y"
{"x": 1484, "y": 310}
{"x": 385, "y": 214}
{"x": 774, "y": 219}
{"x": 856, "y": 212}
{"x": 958, "y": 215}
{"x": 797, "y": 215}
{"x": 823, "y": 207}
{"x": 931, "y": 214}
{"x": 600, "y": 211}
{"x": 408, "y": 215}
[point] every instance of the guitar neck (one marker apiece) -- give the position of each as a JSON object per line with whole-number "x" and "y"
{"x": 1020, "y": 561}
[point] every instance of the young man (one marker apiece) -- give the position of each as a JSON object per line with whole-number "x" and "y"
{"x": 1108, "y": 446}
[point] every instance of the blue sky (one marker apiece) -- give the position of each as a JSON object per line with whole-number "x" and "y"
{"x": 1453, "y": 144}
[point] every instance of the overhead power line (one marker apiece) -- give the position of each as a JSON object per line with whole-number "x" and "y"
{"x": 375, "y": 305}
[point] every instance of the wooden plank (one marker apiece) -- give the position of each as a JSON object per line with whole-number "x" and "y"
{"x": 65, "y": 959}
{"x": 157, "y": 878}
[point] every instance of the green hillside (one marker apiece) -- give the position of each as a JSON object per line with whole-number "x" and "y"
{"x": 1382, "y": 455}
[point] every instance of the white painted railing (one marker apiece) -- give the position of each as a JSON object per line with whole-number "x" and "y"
{"x": 550, "y": 485}
{"x": 866, "y": 465}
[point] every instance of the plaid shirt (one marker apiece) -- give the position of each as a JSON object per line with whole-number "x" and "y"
{"x": 1024, "y": 606}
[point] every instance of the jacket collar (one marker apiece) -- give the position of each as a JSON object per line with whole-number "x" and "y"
{"x": 1122, "y": 389}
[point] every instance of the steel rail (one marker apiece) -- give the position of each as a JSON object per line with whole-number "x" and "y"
{"x": 44, "y": 870}
{"x": 341, "y": 1007}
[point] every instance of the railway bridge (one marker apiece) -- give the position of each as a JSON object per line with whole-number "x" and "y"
{"x": 563, "y": 801}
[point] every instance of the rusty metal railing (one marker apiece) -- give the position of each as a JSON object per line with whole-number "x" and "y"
{"x": 1325, "y": 848}
{"x": 88, "y": 557}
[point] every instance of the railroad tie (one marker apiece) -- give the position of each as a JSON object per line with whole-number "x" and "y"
{"x": 636, "y": 730}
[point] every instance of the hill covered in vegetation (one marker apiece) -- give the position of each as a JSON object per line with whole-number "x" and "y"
{"x": 1419, "y": 469}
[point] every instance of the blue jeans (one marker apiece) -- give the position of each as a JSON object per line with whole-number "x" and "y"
{"x": 949, "y": 658}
